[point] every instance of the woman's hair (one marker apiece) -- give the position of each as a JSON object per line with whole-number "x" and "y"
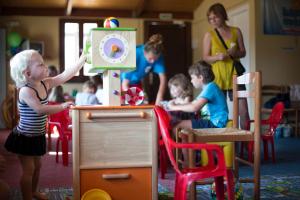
{"x": 52, "y": 71}
{"x": 154, "y": 44}
{"x": 218, "y": 9}
{"x": 180, "y": 80}
{"x": 204, "y": 69}
{"x": 57, "y": 94}
{"x": 18, "y": 64}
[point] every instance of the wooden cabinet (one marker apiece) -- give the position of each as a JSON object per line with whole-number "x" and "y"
{"x": 115, "y": 149}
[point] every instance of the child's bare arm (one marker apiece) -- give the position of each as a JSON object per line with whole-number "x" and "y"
{"x": 67, "y": 74}
{"x": 190, "y": 107}
{"x": 28, "y": 96}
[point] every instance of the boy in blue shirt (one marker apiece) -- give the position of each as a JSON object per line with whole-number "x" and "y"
{"x": 202, "y": 77}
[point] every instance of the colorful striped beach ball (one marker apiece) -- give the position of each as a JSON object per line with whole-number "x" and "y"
{"x": 111, "y": 22}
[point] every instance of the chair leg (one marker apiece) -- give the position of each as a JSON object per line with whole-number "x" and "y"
{"x": 177, "y": 187}
{"x": 250, "y": 151}
{"x": 163, "y": 162}
{"x": 57, "y": 149}
{"x": 242, "y": 150}
{"x": 183, "y": 188}
{"x": 64, "y": 147}
{"x": 230, "y": 185}
{"x": 273, "y": 150}
{"x": 266, "y": 151}
{"x": 219, "y": 181}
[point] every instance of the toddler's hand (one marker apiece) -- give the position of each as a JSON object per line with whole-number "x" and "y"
{"x": 67, "y": 105}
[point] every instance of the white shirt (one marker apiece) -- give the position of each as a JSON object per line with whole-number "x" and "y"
{"x": 84, "y": 98}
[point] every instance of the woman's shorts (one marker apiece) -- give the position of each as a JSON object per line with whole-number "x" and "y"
{"x": 24, "y": 145}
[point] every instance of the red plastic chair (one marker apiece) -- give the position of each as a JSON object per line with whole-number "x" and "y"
{"x": 62, "y": 122}
{"x": 186, "y": 176}
{"x": 163, "y": 159}
{"x": 273, "y": 121}
{"x": 268, "y": 136}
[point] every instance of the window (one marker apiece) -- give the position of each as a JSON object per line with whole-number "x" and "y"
{"x": 73, "y": 34}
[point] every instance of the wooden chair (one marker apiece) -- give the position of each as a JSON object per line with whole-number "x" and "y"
{"x": 253, "y": 82}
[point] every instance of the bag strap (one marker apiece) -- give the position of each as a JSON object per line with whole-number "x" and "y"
{"x": 224, "y": 44}
{"x": 221, "y": 39}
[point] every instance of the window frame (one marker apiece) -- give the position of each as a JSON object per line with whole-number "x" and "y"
{"x": 80, "y": 78}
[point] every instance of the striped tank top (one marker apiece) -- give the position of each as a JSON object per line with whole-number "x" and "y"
{"x": 31, "y": 123}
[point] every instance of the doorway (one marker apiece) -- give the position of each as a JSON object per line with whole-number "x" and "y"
{"x": 177, "y": 52}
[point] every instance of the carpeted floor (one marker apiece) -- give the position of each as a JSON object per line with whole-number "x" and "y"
{"x": 272, "y": 188}
{"x": 279, "y": 181}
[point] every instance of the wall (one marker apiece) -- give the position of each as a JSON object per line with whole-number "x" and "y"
{"x": 47, "y": 29}
{"x": 277, "y": 55}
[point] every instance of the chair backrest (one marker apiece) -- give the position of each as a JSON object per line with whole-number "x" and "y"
{"x": 163, "y": 126}
{"x": 252, "y": 81}
{"x": 276, "y": 116}
{"x": 62, "y": 117}
{"x": 212, "y": 149}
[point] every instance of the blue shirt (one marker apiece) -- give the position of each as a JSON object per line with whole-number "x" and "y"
{"x": 216, "y": 104}
{"x": 143, "y": 67}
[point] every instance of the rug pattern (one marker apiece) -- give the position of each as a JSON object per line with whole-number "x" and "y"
{"x": 272, "y": 188}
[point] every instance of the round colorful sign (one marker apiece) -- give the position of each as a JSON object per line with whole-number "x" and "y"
{"x": 134, "y": 96}
{"x": 114, "y": 48}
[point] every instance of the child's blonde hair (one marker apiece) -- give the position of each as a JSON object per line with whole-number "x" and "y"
{"x": 18, "y": 64}
{"x": 180, "y": 80}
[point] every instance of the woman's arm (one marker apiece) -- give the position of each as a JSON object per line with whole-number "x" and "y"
{"x": 125, "y": 84}
{"x": 207, "y": 57}
{"x": 161, "y": 89}
{"x": 239, "y": 51}
{"x": 67, "y": 74}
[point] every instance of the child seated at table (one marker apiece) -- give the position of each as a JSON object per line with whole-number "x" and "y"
{"x": 202, "y": 77}
{"x": 87, "y": 96}
{"x": 181, "y": 90}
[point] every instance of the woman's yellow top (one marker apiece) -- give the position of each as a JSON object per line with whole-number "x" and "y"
{"x": 223, "y": 70}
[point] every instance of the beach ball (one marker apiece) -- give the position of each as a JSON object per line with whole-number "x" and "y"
{"x": 14, "y": 39}
{"x": 111, "y": 22}
{"x": 134, "y": 96}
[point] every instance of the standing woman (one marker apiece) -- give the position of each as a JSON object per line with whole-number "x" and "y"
{"x": 221, "y": 59}
{"x": 148, "y": 58}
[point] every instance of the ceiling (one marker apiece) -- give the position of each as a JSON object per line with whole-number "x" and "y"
{"x": 119, "y": 8}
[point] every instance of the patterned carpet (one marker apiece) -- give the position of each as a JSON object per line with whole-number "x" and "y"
{"x": 275, "y": 188}
{"x": 272, "y": 188}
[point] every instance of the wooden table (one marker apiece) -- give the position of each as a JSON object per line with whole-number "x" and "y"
{"x": 226, "y": 135}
